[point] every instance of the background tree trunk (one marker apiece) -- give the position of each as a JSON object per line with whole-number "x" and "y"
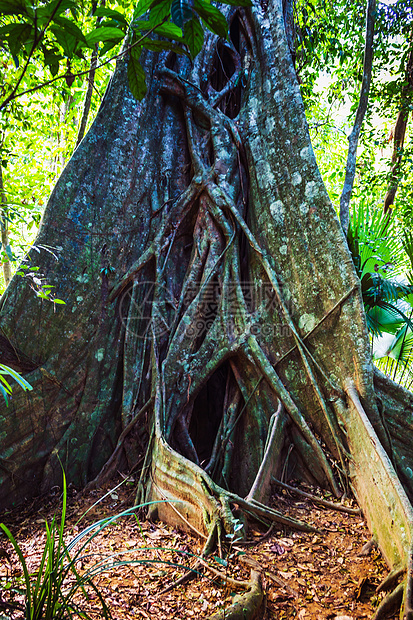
{"x": 206, "y": 280}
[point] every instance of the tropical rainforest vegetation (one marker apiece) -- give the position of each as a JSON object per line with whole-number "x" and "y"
{"x": 190, "y": 306}
{"x": 51, "y": 93}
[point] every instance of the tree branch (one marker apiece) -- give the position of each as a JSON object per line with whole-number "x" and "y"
{"x": 80, "y": 73}
{"x": 361, "y": 110}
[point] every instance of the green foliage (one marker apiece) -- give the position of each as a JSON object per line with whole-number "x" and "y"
{"x": 381, "y": 256}
{"x": 5, "y": 387}
{"x": 57, "y": 590}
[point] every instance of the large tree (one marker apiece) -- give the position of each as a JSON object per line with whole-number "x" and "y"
{"x": 213, "y": 322}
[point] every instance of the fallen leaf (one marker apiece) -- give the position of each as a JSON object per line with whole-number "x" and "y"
{"x": 277, "y": 549}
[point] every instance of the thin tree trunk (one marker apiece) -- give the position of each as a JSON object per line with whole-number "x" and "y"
{"x": 399, "y": 135}
{"x": 361, "y": 110}
{"x": 89, "y": 93}
{"x": 4, "y": 230}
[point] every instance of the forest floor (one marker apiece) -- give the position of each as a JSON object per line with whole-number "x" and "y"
{"x": 318, "y": 576}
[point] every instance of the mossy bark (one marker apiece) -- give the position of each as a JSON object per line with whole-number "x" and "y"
{"x": 207, "y": 285}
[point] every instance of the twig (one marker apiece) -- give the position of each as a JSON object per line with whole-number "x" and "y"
{"x": 233, "y": 582}
{"x": 318, "y": 500}
{"x": 251, "y": 543}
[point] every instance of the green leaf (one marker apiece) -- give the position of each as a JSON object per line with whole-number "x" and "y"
{"x": 105, "y": 33}
{"x": 67, "y": 41}
{"x": 169, "y": 30}
{"x": 9, "y": 371}
{"x": 51, "y": 59}
{"x": 136, "y": 77}
{"x": 108, "y": 46}
{"x": 9, "y": 252}
{"x": 194, "y": 36}
{"x": 220, "y": 560}
{"x": 181, "y": 12}
{"x": 141, "y": 8}
{"x": 102, "y": 11}
{"x": 13, "y": 7}
{"x": 6, "y": 385}
{"x": 58, "y": 301}
{"x": 214, "y": 19}
{"x": 5, "y": 395}
{"x": 17, "y": 35}
{"x": 159, "y": 12}
{"x": 70, "y": 28}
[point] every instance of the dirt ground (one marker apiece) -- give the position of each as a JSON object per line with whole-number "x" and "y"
{"x": 306, "y": 576}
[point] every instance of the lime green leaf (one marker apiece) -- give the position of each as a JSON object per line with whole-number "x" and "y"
{"x": 181, "y": 11}
{"x": 102, "y": 11}
{"x": 58, "y": 301}
{"x": 105, "y": 33}
{"x": 6, "y": 384}
{"x": 136, "y": 77}
{"x": 214, "y": 19}
{"x": 9, "y": 371}
{"x": 194, "y": 36}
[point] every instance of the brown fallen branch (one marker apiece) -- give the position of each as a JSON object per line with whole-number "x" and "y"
{"x": 252, "y": 563}
{"x": 317, "y": 500}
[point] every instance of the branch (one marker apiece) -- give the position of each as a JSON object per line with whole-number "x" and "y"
{"x": 73, "y": 75}
{"x": 361, "y": 110}
{"x": 36, "y": 41}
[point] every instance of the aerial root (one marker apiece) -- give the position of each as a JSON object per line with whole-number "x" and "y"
{"x": 392, "y": 578}
{"x": 390, "y": 603}
{"x": 317, "y": 500}
{"x": 255, "y": 508}
{"x": 245, "y": 606}
{"x": 255, "y": 353}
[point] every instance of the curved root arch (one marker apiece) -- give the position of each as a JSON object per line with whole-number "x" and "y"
{"x": 209, "y": 335}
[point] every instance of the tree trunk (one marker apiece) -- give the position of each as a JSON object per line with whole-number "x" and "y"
{"x": 208, "y": 286}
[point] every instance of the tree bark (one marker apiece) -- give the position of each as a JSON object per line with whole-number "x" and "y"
{"x": 206, "y": 280}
